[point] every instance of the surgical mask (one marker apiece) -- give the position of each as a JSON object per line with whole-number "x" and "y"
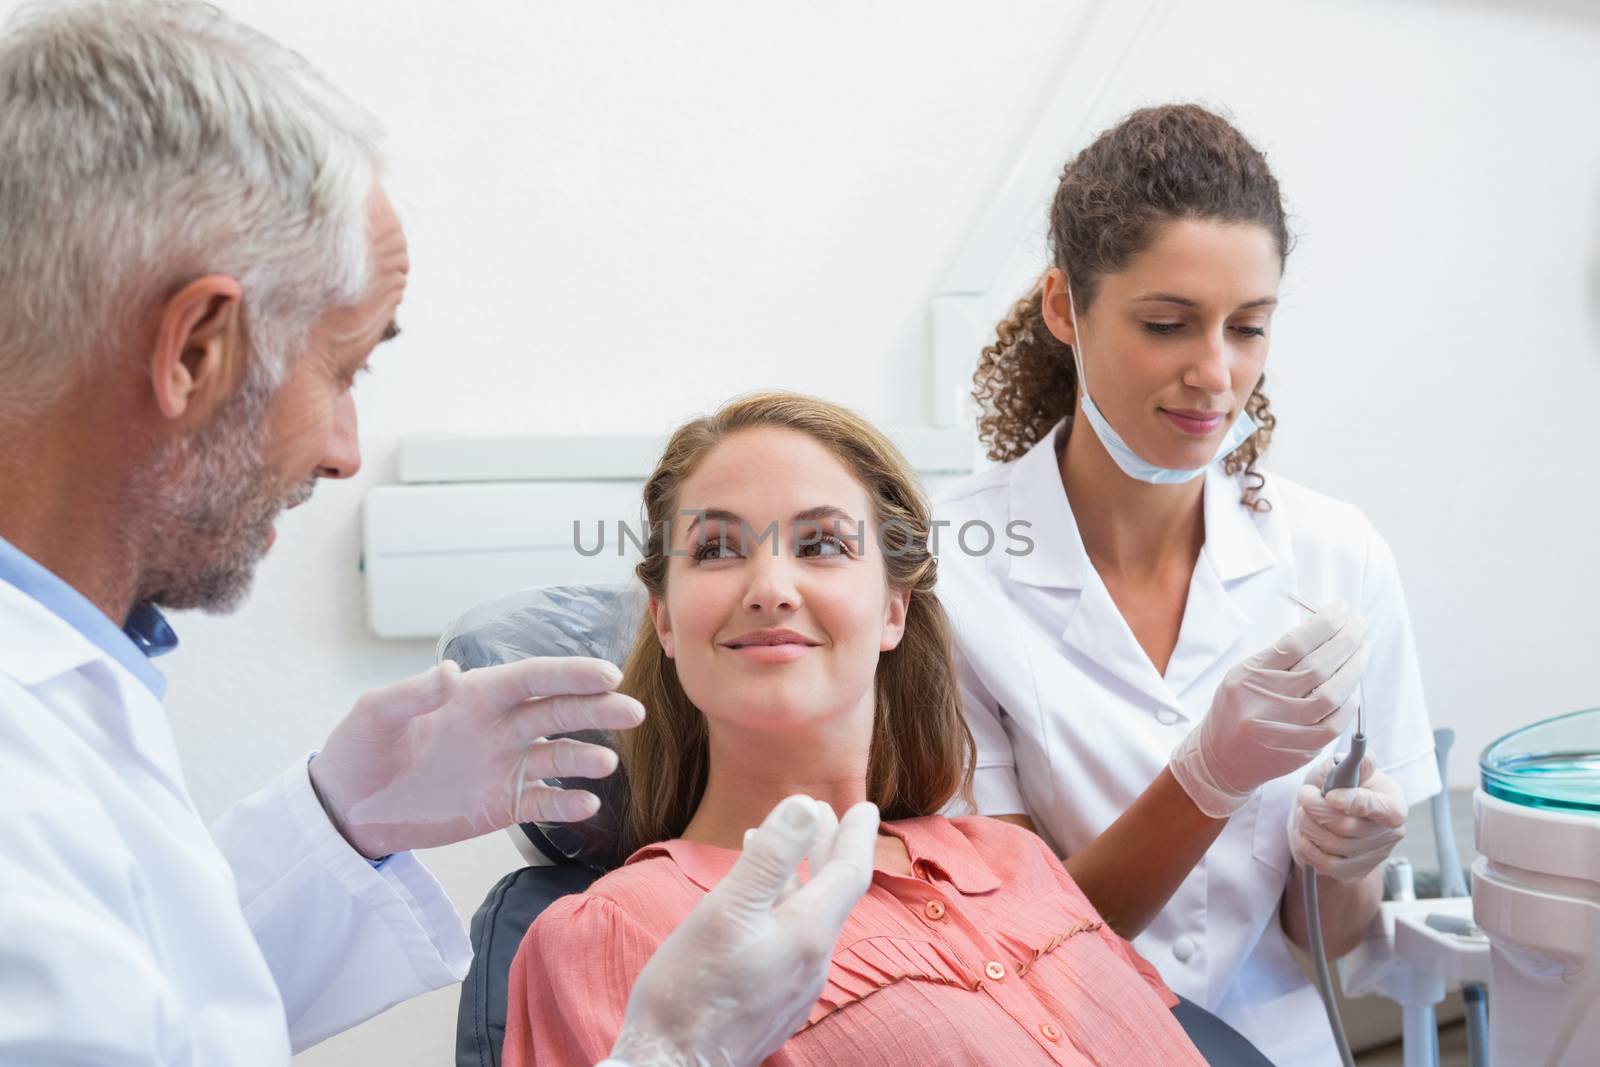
{"x": 1133, "y": 464}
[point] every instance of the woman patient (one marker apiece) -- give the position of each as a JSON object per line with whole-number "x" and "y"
{"x": 794, "y": 644}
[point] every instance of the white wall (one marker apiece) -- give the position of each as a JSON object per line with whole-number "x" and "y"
{"x": 622, "y": 213}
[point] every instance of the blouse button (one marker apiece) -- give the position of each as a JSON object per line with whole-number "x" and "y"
{"x": 995, "y": 970}
{"x": 1050, "y": 1032}
{"x": 934, "y": 910}
{"x": 1166, "y": 716}
{"x": 1183, "y": 948}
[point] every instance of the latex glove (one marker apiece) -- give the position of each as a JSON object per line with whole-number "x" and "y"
{"x": 1275, "y": 711}
{"x": 449, "y": 755}
{"x": 741, "y": 973}
{"x": 1348, "y": 832}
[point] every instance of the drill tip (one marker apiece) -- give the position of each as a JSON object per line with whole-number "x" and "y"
{"x": 1298, "y": 601}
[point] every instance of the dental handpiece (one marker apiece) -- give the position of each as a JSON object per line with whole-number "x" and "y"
{"x": 1346, "y": 771}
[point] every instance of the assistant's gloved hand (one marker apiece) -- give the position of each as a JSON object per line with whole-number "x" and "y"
{"x": 1348, "y": 832}
{"x": 447, "y": 755}
{"x": 740, "y": 974}
{"x": 1275, "y": 711}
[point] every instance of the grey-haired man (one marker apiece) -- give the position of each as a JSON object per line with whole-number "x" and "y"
{"x": 197, "y": 258}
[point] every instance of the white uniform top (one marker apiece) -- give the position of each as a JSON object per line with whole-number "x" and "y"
{"x": 129, "y": 935}
{"x": 1073, "y": 722}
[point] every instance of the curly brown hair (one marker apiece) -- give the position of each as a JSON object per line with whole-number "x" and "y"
{"x": 1160, "y": 164}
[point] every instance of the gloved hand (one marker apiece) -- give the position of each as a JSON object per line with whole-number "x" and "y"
{"x": 1275, "y": 711}
{"x": 740, "y": 974}
{"x": 1348, "y": 832}
{"x": 447, "y": 755}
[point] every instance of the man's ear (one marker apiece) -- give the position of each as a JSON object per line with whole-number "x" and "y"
{"x": 894, "y": 623}
{"x": 663, "y": 625}
{"x": 198, "y": 358}
{"x": 1055, "y": 306}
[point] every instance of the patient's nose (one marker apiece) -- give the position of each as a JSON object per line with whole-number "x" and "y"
{"x": 772, "y": 586}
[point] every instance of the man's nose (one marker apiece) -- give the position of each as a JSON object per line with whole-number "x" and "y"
{"x": 342, "y": 458}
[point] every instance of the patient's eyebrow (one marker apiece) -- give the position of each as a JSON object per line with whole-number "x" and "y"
{"x": 715, "y": 514}
{"x": 390, "y": 332}
{"x": 821, "y": 511}
{"x": 824, "y": 511}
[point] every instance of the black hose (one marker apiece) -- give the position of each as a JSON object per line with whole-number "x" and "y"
{"x": 1476, "y": 998}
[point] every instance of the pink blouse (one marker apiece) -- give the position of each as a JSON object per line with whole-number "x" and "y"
{"x": 988, "y": 954}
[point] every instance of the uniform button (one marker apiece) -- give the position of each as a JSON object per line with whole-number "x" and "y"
{"x": 1183, "y": 948}
{"x": 1166, "y": 716}
{"x": 1050, "y": 1032}
{"x": 995, "y": 970}
{"x": 934, "y": 910}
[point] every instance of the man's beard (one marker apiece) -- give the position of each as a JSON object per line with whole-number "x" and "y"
{"x": 207, "y": 507}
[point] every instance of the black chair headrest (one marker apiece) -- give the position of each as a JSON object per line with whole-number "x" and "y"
{"x": 560, "y": 620}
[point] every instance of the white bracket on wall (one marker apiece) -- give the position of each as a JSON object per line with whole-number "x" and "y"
{"x": 478, "y": 516}
{"x": 451, "y": 458}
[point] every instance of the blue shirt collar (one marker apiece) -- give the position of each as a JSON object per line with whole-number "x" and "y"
{"x": 142, "y": 637}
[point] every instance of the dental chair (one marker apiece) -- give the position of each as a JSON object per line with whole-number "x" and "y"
{"x": 601, "y": 621}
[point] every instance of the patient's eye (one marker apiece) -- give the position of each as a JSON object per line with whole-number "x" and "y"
{"x": 824, "y": 545}
{"x": 713, "y": 548}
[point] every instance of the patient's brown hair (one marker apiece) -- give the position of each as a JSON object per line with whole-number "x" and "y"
{"x": 922, "y": 753}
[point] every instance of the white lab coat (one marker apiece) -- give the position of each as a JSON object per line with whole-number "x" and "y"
{"x": 129, "y": 935}
{"x": 1072, "y": 721}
